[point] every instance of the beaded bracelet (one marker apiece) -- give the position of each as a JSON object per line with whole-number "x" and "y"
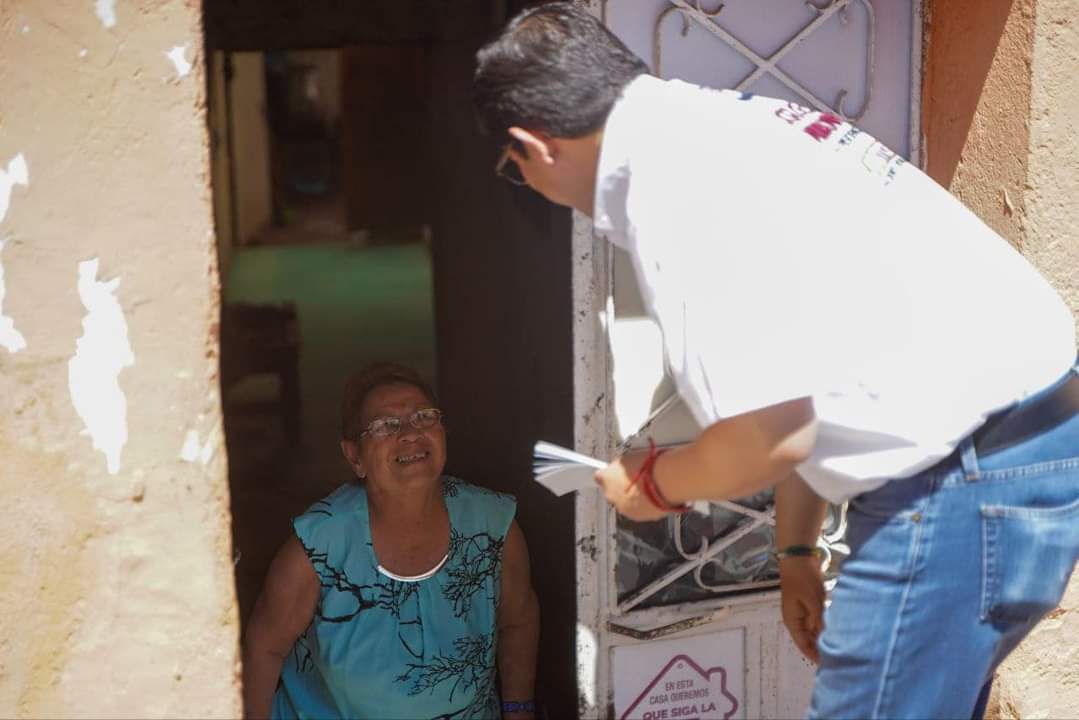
{"x": 800, "y": 551}
{"x": 648, "y": 484}
{"x": 515, "y": 706}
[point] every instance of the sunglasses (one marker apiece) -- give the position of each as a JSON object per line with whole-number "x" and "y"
{"x": 507, "y": 168}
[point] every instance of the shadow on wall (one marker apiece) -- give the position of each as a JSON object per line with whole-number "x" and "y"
{"x": 964, "y": 39}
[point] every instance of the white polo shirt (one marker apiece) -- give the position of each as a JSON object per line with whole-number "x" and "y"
{"x": 786, "y": 254}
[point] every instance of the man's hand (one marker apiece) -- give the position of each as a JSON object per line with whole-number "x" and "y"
{"x": 732, "y": 458}
{"x": 616, "y": 480}
{"x": 802, "y": 586}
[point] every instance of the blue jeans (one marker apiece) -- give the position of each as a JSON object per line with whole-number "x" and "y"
{"x": 949, "y": 570}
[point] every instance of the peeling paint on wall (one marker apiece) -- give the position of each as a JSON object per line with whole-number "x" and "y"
{"x": 10, "y": 338}
{"x": 209, "y": 448}
{"x": 17, "y": 173}
{"x": 176, "y": 55}
{"x": 106, "y": 12}
{"x": 94, "y": 371}
{"x": 89, "y": 99}
{"x": 191, "y": 451}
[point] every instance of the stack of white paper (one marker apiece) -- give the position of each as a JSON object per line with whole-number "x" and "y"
{"x": 563, "y": 471}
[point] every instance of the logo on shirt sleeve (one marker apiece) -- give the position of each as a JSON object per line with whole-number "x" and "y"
{"x": 877, "y": 159}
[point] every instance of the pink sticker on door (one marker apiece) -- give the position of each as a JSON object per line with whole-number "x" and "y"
{"x": 684, "y": 690}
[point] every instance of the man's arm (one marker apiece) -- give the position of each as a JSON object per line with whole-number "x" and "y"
{"x": 282, "y": 612}
{"x": 799, "y": 516}
{"x": 740, "y": 456}
{"x": 518, "y": 623}
{"x": 735, "y": 457}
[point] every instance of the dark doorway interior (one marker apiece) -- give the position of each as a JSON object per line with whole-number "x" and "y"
{"x": 383, "y": 196}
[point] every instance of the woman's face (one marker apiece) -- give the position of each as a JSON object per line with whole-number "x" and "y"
{"x": 412, "y": 456}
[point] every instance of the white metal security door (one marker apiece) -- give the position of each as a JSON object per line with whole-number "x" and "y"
{"x": 681, "y": 618}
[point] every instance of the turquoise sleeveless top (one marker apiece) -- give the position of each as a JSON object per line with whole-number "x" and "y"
{"x": 380, "y": 647}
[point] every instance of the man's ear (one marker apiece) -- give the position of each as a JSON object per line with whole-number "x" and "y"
{"x": 536, "y": 145}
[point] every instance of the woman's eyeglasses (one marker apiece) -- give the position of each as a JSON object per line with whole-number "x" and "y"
{"x": 389, "y": 426}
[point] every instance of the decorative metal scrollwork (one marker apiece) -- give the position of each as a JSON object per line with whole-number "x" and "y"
{"x": 709, "y": 13}
{"x": 715, "y": 550}
{"x": 692, "y": 10}
{"x": 870, "y": 64}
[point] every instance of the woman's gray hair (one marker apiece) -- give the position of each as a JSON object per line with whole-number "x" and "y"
{"x": 360, "y": 384}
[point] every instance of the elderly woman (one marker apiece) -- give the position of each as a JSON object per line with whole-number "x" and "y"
{"x": 397, "y": 594}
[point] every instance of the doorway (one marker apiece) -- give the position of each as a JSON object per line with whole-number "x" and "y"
{"x": 359, "y": 218}
{"x": 328, "y": 270}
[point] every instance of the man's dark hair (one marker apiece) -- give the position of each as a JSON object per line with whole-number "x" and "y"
{"x": 370, "y": 377}
{"x": 554, "y": 68}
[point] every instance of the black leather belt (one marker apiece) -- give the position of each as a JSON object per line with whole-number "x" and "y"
{"x": 1026, "y": 420}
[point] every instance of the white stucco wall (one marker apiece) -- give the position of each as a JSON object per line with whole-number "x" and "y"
{"x": 115, "y": 559}
{"x": 1041, "y": 679}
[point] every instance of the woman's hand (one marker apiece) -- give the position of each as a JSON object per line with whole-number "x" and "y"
{"x": 801, "y": 583}
{"x": 520, "y": 715}
{"x": 518, "y": 624}
{"x": 616, "y": 481}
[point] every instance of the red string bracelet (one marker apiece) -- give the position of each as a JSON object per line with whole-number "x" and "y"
{"x": 648, "y": 484}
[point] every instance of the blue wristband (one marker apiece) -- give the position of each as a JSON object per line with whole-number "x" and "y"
{"x": 512, "y": 706}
